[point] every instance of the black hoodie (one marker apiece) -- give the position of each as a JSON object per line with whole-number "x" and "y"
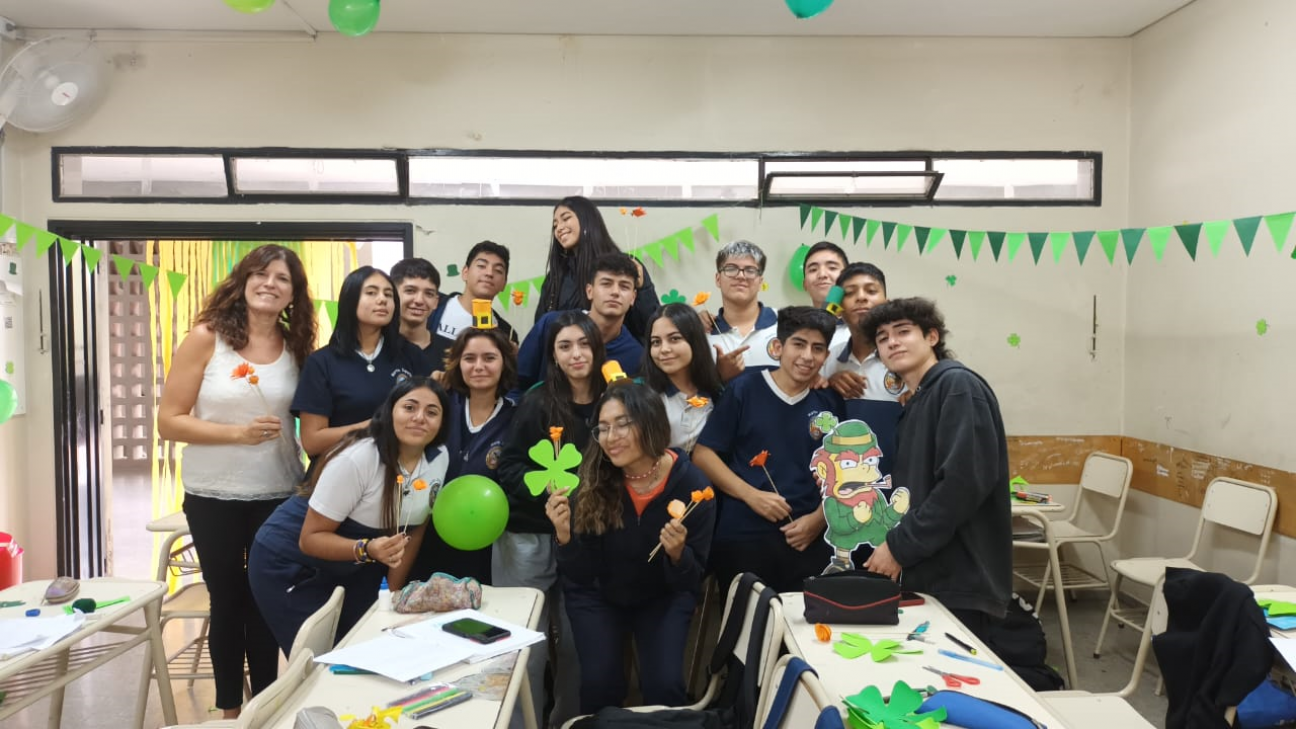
{"x": 955, "y": 542}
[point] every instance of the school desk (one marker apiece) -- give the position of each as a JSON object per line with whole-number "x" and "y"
{"x": 1038, "y": 514}
{"x": 31, "y": 676}
{"x": 358, "y": 694}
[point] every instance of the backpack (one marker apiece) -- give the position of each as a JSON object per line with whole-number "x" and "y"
{"x": 1019, "y": 642}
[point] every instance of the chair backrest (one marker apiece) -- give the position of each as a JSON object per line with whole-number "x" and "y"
{"x": 1108, "y": 477}
{"x": 184, "y": 558}
{"x": 760, "y": 604}
{"x": 1242, "y": 506}
{"x": 318, "y": 633}
{"x": 799, "y": 703}
{"x": 261, "y": 709}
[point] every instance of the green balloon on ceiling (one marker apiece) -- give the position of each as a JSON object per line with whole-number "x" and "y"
{"x": 796, "y": 268}
{"x": 353, "y": 17}
{"x": 808, "y": 8}
{"x": 249, "y": 6}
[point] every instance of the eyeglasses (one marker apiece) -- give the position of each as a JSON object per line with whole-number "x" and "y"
{"x": 732, "y": 271}
{"x": 618, "y": 428}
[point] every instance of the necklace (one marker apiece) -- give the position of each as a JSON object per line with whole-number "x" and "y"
{"x": 647, "y": 474}
{"x": 369, "y": 358}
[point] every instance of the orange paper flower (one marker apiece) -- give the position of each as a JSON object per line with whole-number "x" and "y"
{"x": 243, "y": 370}
{"x": 701, "y": 298}
{"x": 675, "y": 508}
{"x": 638, "y": 212}
{"x": 624, "y": 211}
{"x": 697, "y": 496}
{"x": 759, "y": 459}
{"x": 697, "y": 401}
{"x": 517, "y": 297}
{"x": 253, "y": 380}
{"x": 555, "y": 433}
{"x": 823, "y": 633}
{"x": 400, "y": 480}
{"x": 420, "y": 484}
{"x": 708, "y": 493}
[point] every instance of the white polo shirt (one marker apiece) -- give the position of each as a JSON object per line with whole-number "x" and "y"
{"x": 760, "y": 339}
{"x": 882, "y": 384}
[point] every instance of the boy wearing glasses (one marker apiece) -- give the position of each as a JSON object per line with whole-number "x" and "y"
{"x": 756, "y": 449}
{"x": 744, "y": 332}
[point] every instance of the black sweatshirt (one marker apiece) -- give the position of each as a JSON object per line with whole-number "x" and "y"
{"x": 570, "y": 294}
{"x": 955, "y": 542}
{"x": 530, "y": 426}
{"x": 617, "y": 562}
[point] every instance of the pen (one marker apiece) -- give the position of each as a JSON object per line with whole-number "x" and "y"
{"x": 452, "y": 701}
{"x": 960, "y": 657}
{"x": 415, "y": 698}
{"x": 961, "y": 644}
{"x": 1031, "y": 496}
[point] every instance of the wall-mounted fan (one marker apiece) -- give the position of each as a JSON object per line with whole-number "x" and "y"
{"x": 51, "y": 83}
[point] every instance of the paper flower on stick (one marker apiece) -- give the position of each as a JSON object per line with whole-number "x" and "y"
{"x": 759, "y": 459}
{"x": 701, "y": 298}
{"x": 697, "y": 497}
{"x": 556, "y": 459}
{"x": 869, "y": 710}
{"x": 379, "y": 719}
{"x": 823, "y": 633}
{"x": 517, "y": 297}
{"x": 676, "y": 509}
{"x": 242, "y": 371}
{"x": 638, "y": 212}
{"x": 854, "y": 645}
{"x": 697, "y": 401}
{"x": 624, "y": 211}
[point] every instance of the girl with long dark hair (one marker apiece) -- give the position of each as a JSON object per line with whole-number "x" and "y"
{"x": 678, "y": 364}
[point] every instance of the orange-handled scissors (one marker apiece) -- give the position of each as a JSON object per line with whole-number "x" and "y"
{"x": 954, "y": 680}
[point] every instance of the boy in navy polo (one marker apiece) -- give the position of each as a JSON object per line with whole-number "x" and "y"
{"x": 485, "y": 274}
{"x": 417, "y": 284}
{"x": 744, "y": 331}
{"x": 775, "y": 530}
{"x": 611, "y": 292}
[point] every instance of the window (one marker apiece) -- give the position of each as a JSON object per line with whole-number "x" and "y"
{"x": 315, "y": 176}
{"x": 141, "y": 176}
{"x": 1016, "y": 179}
{"x": 850, "y": 180}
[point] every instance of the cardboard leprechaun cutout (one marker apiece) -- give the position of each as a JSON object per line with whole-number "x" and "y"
{"x": 858, "y": 513}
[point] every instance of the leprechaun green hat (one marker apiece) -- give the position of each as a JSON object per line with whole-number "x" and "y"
{"x": 854, "y": 436}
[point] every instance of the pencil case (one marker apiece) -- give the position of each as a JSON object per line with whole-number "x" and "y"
{"x": 970, "y": 712}
{"x": 855, "y": 597}
{"x": 441, "y": 593}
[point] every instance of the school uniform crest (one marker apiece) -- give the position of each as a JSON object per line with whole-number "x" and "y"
{"x": 769, "y": 349}
{"x": 821, "y": 424}
{"x": 401, "y": 374}
{"x": 493, "y": 455}
{"x": 893, "y": 384}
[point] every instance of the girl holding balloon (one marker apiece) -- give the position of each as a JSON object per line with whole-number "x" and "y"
{"x": 480, "y": 367}
{"x": 362, "y": 516}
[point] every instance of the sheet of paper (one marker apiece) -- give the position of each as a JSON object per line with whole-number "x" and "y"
{"x": 400, "y": 658}
{"x": 520, "y": 637}
{"x": 21, "y": 635}
{"x": 1287, "y": 648}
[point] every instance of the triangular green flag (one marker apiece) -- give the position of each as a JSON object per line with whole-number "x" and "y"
{"x": 815, "y": 215}
{"x": 330, "y": 308}
{"x": 902, "y": 234}
{"x": 712, "y": 225}
{"x": 1215, "y": 231}
{"x": 123, "y": 266}
{"x": 920, "y": 234}
{"x": 1082, "y": 240}
{"x": 1188, "y": 235}
{"x": 956, "y": 238}
{"x": 91, "y": 256}
{"x": 935, "y": 238}
{"x": 887, "y": 230}
{"x": 844, "y": 223}
{"x": 857, "y": 226}
{"x": 996, "y": 242}
{"x": 1108, "y": 240}
{"x": 1246, "y": 230}
{"x": 22, "y": 233}
{"x": 1014, "y": 243}
{"x": 829, "y": 218}
{"x": 6, "y": 223}
{"x": 44, "y": 239}
{"x": 805, "y": 213}
{"x": 538, "y": 283}
{"x": 503, "y": 296}
{"x": 654, "y": 251}
{"x": 976, "y": 239}
{"x": 1037, "y": 241}
{"x": 870, "y": 229}
{"x": 147, "y": 273}
{"x": 1131, "y": 238}
{"x": 1157, "y": 238}
{"x": 670, "y": 244}
{"x": 1279, "y": 225}
{"x": 176, "y": 281}
{"x": 1058, "y": 242}
{"x": 686, "y": 238}
{"x": 68, "y": 248}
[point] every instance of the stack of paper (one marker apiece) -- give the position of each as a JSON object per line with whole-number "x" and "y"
{"x": 520, "y": 637}
{"x": 21, "y": 635}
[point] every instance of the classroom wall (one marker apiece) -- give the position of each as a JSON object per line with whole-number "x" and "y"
{"x": 1211, "y": 97}
{"x": 615, "y": 93}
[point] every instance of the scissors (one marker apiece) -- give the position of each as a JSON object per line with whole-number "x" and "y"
{"x": 954, "y": 680}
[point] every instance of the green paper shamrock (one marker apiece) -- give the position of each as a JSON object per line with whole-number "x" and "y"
{"x": 1017, "y": 481}
{"x": 1014, "y": 340}
{"x": 951, "y": 279}
{"x": 673, "y": 297}
{"x": 869, "y": 710}
{"x": 1277, "y": 608}
{"x": 853, "y": 645}
{"x": 556, "y": 471}
{"x": 1262, "y": 326}
{"x": 452, "y": 270}
{"x": 825, "y": 422}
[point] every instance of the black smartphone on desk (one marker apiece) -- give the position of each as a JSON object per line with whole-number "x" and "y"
{"x": 476, "y": 630}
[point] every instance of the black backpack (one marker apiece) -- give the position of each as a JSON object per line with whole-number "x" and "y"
{"x": 1019, "y": 642}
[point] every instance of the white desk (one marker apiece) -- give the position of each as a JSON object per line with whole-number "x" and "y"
{"x": 842, "y": 677}
{"x": 34, "y": 675}
{"x": 358, "y": 694}
{"x": 172, "y": 522}
{"x": 1028, "y": 508}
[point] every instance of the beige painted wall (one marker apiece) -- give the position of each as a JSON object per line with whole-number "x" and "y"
{"x": 709, "y": 94}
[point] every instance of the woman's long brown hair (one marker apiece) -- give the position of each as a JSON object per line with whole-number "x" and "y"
{"x": 225, "y": 310}
{"x": 598, "y": 500}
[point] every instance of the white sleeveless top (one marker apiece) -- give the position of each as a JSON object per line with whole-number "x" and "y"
{"x": 269, "y": 470}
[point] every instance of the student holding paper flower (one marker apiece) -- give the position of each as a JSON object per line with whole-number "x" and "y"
{"x": 678, "y": 365}
{"x": 631, "y": 482}
{"x": 365, "y": 509}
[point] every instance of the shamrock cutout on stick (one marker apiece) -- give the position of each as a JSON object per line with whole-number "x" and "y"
{"x": 557, "y": 469}
{"x": 673, "y": 297}
{"x": 868, "y": 709}
{"x": 854, "y": 645}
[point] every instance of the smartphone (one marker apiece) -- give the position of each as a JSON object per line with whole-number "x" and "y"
{"x": 476, "y": 630}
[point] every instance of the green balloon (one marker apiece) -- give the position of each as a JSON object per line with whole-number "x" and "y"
{"x": 808, "y": 8}
{"x": 470, "y": 512}
{"x": 249, "y": 6}
{"x": 353, "y": 17}
{"x": 8, "y": 401}
{"x": 796, "y": 269}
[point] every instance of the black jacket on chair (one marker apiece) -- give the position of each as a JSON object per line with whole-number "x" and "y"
{"x": 1215, "y": 649}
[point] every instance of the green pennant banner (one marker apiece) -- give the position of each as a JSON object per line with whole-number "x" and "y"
{"x": 69, "y": 249}
{"x": 123, "y": 266}
{"x": 1037, "y": 241}
{"x": 1108, "y": 239}
{"x": 686, "y": 238}
{"x": 956, "y": 239}
{"x": 996, "y": 242}
{"x": 920, "y": 234}
{"x": 1246, "y": 230}
{"x": 871, "y": 229}
{"x": 857, "y": 226}
{"x": 844, "y": 223}
{"x": 712, "y": 225}
{"x": 176, "y": 281}
{"x": 830, "y": 217}
{"x": 1188, "y": 235}
{"x": 1157, "y": 238}
{"x": 805, "y": 214}
{"x": 1082, "y": 240}
{"x": 654, "y": 251}
{"x": 1215, "y": 232}
{"x": 1279, "y": 225}
{"x": 671, "y": 245}
{"x": 44, "y": 241}
{"x": 902, "y": 234}
{"x": 976, "y": 239}
{"x": 887, "y": 230}
{"x": 148, "y": 273}
{"x": 6, "y": 223}
{"x": 1131, "y": 238}
{"x": 331, "y": 309}
{"x": 1058, "y": 243}
{"x": 815, "y": 215}
{"x": 1015, "y": 241}
{"x": 503, "y": 296}
{"x": 23, "y": 234}
{"x": 935, "y": 239}
{"x": 91, "y": 256}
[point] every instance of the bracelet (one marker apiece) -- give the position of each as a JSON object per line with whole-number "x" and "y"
{"x": 362, "y": 552}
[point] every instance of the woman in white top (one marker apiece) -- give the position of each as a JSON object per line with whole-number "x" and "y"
{"x": 227, "y": 397}
{"x": 362, "y": 517}
{"x": 678, "y": 364}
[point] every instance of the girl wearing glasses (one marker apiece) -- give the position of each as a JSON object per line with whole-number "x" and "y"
{"x": 678, "y": 365}
{"x": 605, "y": 532}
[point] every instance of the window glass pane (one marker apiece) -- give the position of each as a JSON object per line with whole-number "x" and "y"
{"x": 1015, "y": 179}
{"x": 854, "y": 165}
{"x": 888, "y": 186}
{"x": 551, "y": 178}
{"x": 141, "y": 176}
{"x": 319, "y": 176}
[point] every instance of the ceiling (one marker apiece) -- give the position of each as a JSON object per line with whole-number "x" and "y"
{"x": 1005, "y": 18}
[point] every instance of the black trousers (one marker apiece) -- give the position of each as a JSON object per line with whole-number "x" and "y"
{"x": 222, "y": 532}
{"x": 769, "y": 556}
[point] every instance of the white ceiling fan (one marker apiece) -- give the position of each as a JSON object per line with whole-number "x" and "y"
{"x": 51, "y": 83}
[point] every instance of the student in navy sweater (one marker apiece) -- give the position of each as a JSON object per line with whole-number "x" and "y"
{"x": 955, "y": 542}
{"x": 611, "y": 290}
{"x": 776, "y": 534}
{"x": 480, "y": 367}
{"x": 605, "y": 533}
